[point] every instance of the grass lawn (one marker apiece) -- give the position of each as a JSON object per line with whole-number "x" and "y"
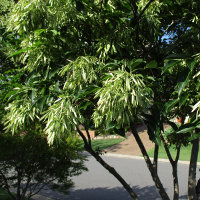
{"x": 184, "y": 154}
{"x": 105, "y": 143}
{"x": 4, "y": 195}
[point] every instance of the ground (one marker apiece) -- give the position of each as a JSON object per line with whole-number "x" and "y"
{"x": 130, "y": 146}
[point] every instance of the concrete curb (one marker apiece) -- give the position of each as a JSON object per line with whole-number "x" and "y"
{"x": 141, "y": 158}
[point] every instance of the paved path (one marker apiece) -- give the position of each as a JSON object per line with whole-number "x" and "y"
{"x": 98, "y": 184}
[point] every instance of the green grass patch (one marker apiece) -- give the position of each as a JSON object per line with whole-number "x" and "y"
{"x": 4, "y": 195}
{"x": 104, "y": 143}
{"x": 185, "y": 153}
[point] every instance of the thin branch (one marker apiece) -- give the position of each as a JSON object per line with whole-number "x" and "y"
{"x": 32, "y": 193}
{"x": 83, "y": 137}
{"x": 135, "y": 9}
{"x": 166, "y": 149}
{"x": 19, "y": 175}
{"x": 24, "y": 190}
{"x": 6, "y": 184}
{"x": 163, "y": 33}
{"x": 144, "y": 9}
{"x": 178, "y": 153}
{"x": 88, "y": 135}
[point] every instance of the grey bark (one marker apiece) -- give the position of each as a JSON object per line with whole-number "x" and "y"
{"x": 98, "y": 158}
{"x": 192, "y": 170}
{"x": 150, "y": 166}
{"x": 174, "y": 164}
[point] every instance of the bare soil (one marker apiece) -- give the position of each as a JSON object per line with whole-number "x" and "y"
{"x": 130, "y": 146}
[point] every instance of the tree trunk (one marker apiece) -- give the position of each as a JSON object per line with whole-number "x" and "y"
{"x": 155, "y": 159}
{"x": 192, "y": 170}
{"x": 175, "y": 180}
{"x": 89, "y": 149}
{"x": 150, "y": 166}
{"x": 174, "y": 164}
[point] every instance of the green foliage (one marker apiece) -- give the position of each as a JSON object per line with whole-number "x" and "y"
{"x": 4, "y": 195}
{"x": 102, "y": 64}
{"x": 121, "y": 98}
{"x": 28, "y": 163}
{"x": 5, "y": 7}
{"x": 109, "y": 61}
{"x": 81, "y": 73}
{"x": 62, "y": 118}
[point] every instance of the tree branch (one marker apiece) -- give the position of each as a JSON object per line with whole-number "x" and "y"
{"x": 6, "y": 185}
{"x": 89, "y": 149}
{"x": 24, "y": 190}
{"x": 135, "y": 8}
{"x": 83, "y": 137}
{"x": 178, "y": 152}
{"x": 144, "y": 9}
{"x": 166, "y": 149}
{"x": 154, "y": 174}
{"x": 88, "y": 135}
{"x": 155, "y": 159}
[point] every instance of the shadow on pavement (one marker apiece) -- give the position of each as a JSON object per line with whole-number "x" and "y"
{"x": 145, "y": 193}
{"x": 118, "y": 193}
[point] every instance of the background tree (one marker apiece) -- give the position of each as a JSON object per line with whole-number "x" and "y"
{"x": 28, "y": 164}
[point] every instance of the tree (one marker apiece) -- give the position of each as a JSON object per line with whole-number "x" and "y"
{"x": 104, "y": 64}
{"x": 28, "y": 164}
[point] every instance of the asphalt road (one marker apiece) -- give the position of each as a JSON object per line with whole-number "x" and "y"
{"x": 98, "y": 184}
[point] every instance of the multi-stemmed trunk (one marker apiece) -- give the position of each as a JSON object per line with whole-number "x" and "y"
{"x": 152, "y": 167}
{"x": 88, "y": 148}
{"x": 174, "y": 164}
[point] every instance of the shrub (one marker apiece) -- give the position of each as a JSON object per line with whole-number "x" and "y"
{"x": 28, "y": 164}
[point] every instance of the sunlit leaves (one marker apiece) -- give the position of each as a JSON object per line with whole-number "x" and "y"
{"x": 20, "y": 115}
{"x": 81, "y": 72}
{"x": 121, "y": 98}
{"x": 27, "y": 15}
{"x": 61, "y": 118}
